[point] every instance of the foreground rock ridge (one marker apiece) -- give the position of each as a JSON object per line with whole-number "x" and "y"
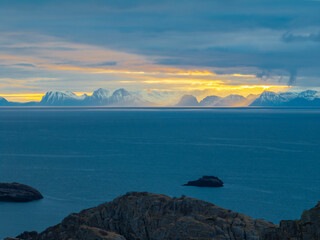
{"x": 307, "y": 228}
{"x": 16, "y": 192}
{"x": 148, "y": 216}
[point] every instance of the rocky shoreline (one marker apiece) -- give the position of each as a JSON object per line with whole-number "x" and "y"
{"x": 146, "y": 216}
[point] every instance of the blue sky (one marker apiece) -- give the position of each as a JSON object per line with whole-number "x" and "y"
{"x": 176, "y": 45}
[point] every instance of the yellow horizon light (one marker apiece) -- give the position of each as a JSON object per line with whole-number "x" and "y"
{"x": 23, "y": 97}
{"x": 172, "y": 72}
{"x": 30, "y": 97}
{"x": 244, "y": 75}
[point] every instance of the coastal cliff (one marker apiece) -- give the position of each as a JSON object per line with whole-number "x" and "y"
{"x": 141, "y": 215}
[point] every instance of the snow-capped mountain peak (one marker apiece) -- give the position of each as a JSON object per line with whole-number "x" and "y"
{"x": 122, "y": 97}
{"x": 308, "y": 94}
{"x": 59, "y": 97}
{"x": 306, "y": 98}
{"x": 101, "y": 93}
{"x": 268, "y": 98}
{"x": 121, "y": 93}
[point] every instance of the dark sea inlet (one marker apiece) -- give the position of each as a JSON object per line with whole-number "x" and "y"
{"x": 269, "y": 159}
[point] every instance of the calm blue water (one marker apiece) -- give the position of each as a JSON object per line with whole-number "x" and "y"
{"x": 269, "y": 159}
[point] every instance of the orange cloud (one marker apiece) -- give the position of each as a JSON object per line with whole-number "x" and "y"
{"x": 135, "y": 70}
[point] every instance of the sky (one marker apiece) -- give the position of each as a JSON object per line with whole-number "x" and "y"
{"x": 198, "y": 46}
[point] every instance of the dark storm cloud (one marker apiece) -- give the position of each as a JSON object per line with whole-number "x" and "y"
{"x": 292, "y": 78}
{"x": 266, "y": 34}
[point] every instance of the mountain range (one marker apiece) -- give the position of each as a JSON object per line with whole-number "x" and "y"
{"x": 266, "y": 99}
{"x": 306, "y": 98}
{"x": 100, "y": 97}
{"x": 212, "y": 100}
{"x": 124, "y": 98}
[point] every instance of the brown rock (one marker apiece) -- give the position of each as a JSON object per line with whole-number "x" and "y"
{"x": 152, "y": 216}
{"x": 147, "y": 216}
{"x": 307, "y": 228}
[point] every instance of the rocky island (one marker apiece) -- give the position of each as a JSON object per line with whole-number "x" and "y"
{"x": 206, "y": 181}
{"x": 16, "y": 192}
{"x": 146, "y": 216}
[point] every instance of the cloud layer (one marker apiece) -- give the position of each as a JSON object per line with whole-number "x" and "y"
{"x": 163, "y": 45}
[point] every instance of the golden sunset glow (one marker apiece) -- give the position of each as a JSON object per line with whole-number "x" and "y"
{"x": 82, "y": 93}
{"x": 216, "y": 89}
{"x": 27, "y": 97}
{"x": 243, "y": 75}
{"x": 163, "y": 71}
{"x": 23, "y": 97}
{"x": 101, "y": 67}
{"x": 187, "y": 84}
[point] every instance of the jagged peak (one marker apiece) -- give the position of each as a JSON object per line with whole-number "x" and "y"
{"x": 53, "y": 97}
{"x": 101, "y": 91}
{"x": 59, "y": 94}
{"x": 308, "y": 94}
{"x": 66, "y": 92}
{"x": 287, "y": 98}
{"x": 101, "y": 94}
{"x": 121, "y": 92}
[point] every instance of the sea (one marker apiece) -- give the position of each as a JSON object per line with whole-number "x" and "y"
{"x": 268, "y": 159}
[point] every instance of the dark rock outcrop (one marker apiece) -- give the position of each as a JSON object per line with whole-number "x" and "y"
{"x": 154, "y": 217}
{"x": 147, "y": 216}
{"x": 16, "y": 192}
{"x": 307, "y": 228}
{"x": 206, "y": 181}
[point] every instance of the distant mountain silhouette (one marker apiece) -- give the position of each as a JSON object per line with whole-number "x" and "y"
{"x": 188, "y": 100}
{"x": 306, "y": 98}
{"x": 100, "y": 97}
{"x": 61, "y": 98}
{"x": 122, "y": 97}
{"x": 3, "y": 101}
{"x": 210, "y": 100}
{"x": 231, "y": 100}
